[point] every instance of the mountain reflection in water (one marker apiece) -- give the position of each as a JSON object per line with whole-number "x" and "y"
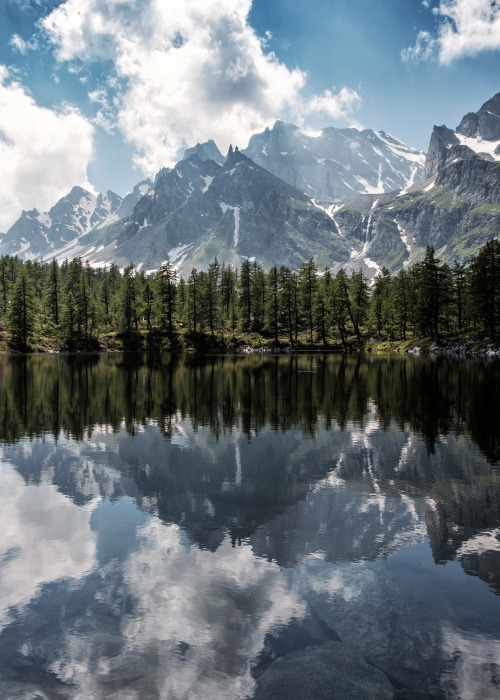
{"x": 187, "y": 527}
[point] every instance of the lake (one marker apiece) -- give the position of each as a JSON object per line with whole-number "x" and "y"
{"x": 312, "y": 526}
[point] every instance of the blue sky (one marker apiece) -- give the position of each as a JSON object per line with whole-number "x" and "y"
{"x": 101, "y": 93}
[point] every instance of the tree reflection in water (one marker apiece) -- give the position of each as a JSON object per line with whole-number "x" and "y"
{"x": 214, "y": 513}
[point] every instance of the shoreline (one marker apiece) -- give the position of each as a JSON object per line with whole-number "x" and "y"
{"x": 416, "y": 347}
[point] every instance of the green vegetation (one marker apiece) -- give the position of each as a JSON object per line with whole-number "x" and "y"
{"x": 440, "y": 196}
{"x": 492, "y": 209}
{"x": 44, "y": 306}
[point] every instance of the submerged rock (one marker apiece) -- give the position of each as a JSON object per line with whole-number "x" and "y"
{"x": 332, "y": 671}
{"x": 375, "y": 616}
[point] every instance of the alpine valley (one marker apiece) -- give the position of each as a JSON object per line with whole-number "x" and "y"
{"x": 345, "y": 197}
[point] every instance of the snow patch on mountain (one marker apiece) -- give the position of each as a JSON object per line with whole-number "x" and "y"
{"x": 208, "y": 181}
{"x": 404, "y": 237}
{"x": 44, "y": 219}
{"x": 236, "y": 214}
{"x": 334, "y": 165}
{"x": 401, "y": 150}
{"x": 178, "y": 254}
{"x": 480, "y": 146}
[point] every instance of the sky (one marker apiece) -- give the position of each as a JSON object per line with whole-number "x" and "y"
{"x": 102, "y": 93}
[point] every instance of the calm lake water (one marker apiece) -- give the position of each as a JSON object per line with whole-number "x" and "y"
{"x": 237, "y": 527}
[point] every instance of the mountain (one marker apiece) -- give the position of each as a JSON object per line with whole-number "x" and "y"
{"x": 335, "y": 165}
{"x": 269, "y": 203}
{"x": 38, "y": 235}
{"x": 276, "y": 203}
{"x": 455, "y": 208}
{"x": 200, "y": 210}
{"x": 477, "y": 134}
{"x": 206, "y": 151}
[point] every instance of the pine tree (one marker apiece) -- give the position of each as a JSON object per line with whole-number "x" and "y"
{"x": 72, "y": 315}
{"x": 339, "y": 300}
{"x": 165, "y": 294}
{"x": 246, "y": 294}
{"x": 459, "y": 276}
{"x": 5, "y": 285}
{"x": 322, "y": 311}
{"x": 53, "y": 292}
{"x": 228, "y": 294}
{"x": 273, "y": 302}
{"x": 128, "y": 300}
{"x": 23, "y": 309}
{"x": 308, "y": 282}
{"x": 358, "y": 301}
{"x": 380, "y": 307}
{"x": 110, "y": 289}
{"x": 92, "y": 307}
{"x": 193, "y": 301}
{"x": 485, "y": 286}
{"x": 400, "y": 296}
{"x": 287, "y": 296}
{"x": 213, "y": 296}
{"x": 258, "y": 291}
{"x": 433, "y": 293}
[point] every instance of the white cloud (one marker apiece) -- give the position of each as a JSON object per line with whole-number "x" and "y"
{"x": 18, "y": 43}
{"x": 218, "y": 606}
{"x": 45, "y": 537}
{"x": 466, "y": 28}
{"x": 43, "y": 152}
{"x": 423, "y": 50}
{"x": 334, "y": 105}
{"x": 190, "y": 70}
{"x": 22, "y": 46}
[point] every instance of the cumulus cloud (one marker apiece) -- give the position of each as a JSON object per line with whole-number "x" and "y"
{"x": 18, "y": 43}
{"x": 43, "y": 152}
{"x": 189, "y": 71}
{"x": 334, "y": 105}
{"x": 45, "y": 537}
{"x": 201, "y": 616}
{"x": 466, "y": 28}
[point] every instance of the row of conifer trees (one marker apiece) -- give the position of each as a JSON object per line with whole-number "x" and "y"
{"x": 74, "y": 302}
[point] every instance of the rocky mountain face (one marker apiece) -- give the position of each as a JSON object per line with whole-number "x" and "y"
{"x": 269, "y": 203}
{"x": 455, "y": 208}
{"x": 277, "y": 202}
{"x": 335, "y": 165}
{"x": 272, "y": 208}
{"x": 37, "y": 235}
{"x": 206, "y": 151}
{"x": 201, "y": 210}
{"x": 477, "y": 134}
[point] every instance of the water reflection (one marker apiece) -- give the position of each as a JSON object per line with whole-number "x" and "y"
{"x": 174, "y": 526}
{"x": 432, "y": 397}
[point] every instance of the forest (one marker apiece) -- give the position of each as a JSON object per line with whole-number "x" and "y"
{"x": 73, "y": 306}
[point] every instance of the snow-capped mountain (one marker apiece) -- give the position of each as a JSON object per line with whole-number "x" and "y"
{"x": 335, "y": 165}
{"x": 455, "y": 208}
{"x": 206, "y": 151}
{"x": 478, "y": 134}
{"x": 269, "y": 203}
{"x": 37, "y": 235}
{"x": 276, "y": 203}
{"x": 200, "y": 210}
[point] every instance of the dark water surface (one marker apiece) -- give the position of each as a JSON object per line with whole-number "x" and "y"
{"x": 236, "y": 527}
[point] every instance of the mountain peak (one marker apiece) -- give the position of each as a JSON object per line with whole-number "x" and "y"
{"x": 205, "y": 151}
{"x": 477, "y": 135}
{"x": 233, "y": 155}
{"x": 485, "y": 123}
{"x": 335, "y": 165}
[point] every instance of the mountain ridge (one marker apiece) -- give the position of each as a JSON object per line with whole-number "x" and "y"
{"x": 235, "y": 208}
